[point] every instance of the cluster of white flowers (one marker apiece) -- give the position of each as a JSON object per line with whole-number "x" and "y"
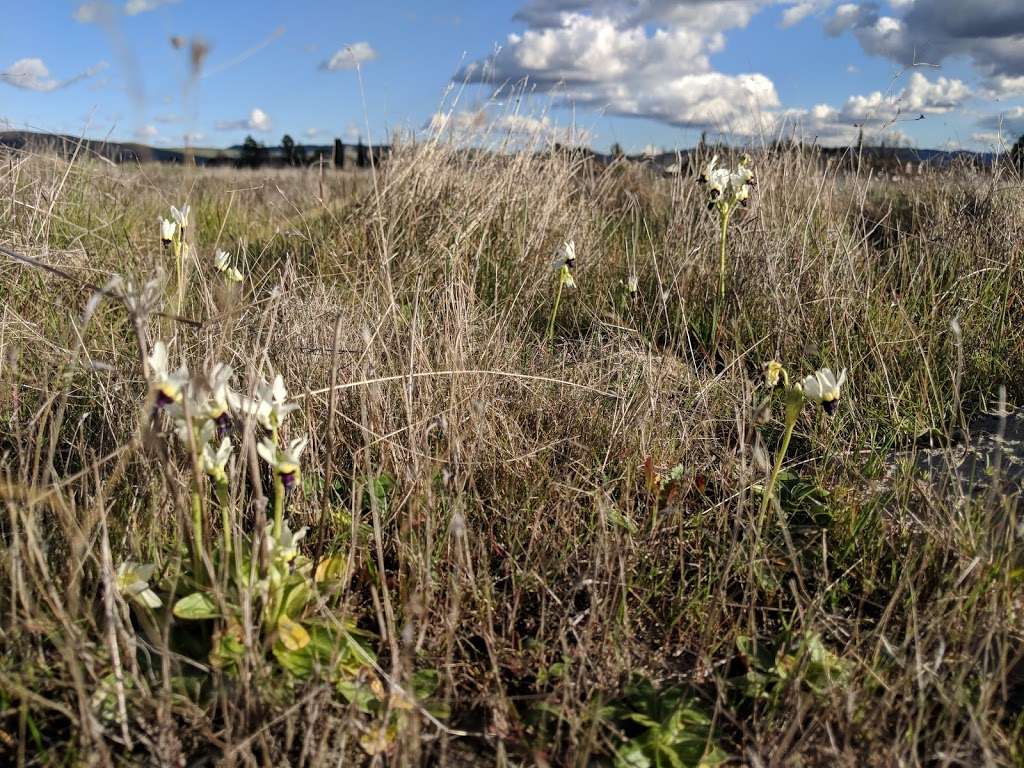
{"x": 728, "y": 187}
{"x": 172, "y": 235}
{"x": 821, "y": 387}
{"x": 201, "y": 410}
{"x": 172, "y": 230}
{"x": 222, "y": 263}
{"x": 564, "y": 263}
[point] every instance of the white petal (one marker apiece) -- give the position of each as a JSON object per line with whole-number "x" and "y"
{"x": 296, "y": 447}
{"x": 268, "y": 452}
{"x": 158, "y": 358}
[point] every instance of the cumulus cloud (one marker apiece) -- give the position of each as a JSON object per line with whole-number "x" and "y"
{"x": 350, "y": 56}
{"x": 87, "y": 13}
{"x": 101, "y": 10}
{"x": 146, "y": 133}
{"x": 653, "y": 59}
{"x": 258, "y": 120}
{"x": 877, "y": 114}
{"x": 135, "y": 7}
{"x": 921, "y": 96}
{"x": 481, "y": 126}
{"x": 706, "y": 16}
{"x": 1004, "y": 86}
{"x": 1009, "y": 123}
{"x": 801, "y": 9}
{"x": 617, "y": 65}
{"x": 993, "y": 139}
{"x": 989, "y": 32}
{"x": 33, "y": 75}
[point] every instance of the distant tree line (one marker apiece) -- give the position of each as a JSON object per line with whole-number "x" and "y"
{"x": 255, "y": 154}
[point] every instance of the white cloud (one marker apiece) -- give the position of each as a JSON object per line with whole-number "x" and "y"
{"x": 1009, "y": 123}
{"x": 703, "y": 16}
{"x": 350, "y": 56}
{"x": 258, "y": 120}
{"x": 102, "y": 10}
{"x": 988, "y": 32}
{"x": 801, "y": 9}
{"x": 87, "y": 13}
{"x": 1004, "y": 86}
{"x": 481, "y": 126}
{"x": 33, "y": 75}
{"x": 993, "y": 139}
{"x": 797, "y": 13}
{"x": 597, "y": 61}
{"x": 147, "y": 133}
{"x": 135, "y": 7}
{"x": 30, "y": 74}
{"x": 920, "y": 96}
{"x": 654, "y": 59}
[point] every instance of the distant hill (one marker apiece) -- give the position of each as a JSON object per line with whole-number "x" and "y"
{"x": 131, "y": 152}
{"x": 889, "y": 158}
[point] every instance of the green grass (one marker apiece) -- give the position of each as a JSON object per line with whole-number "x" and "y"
{"x": 556, "y": 554}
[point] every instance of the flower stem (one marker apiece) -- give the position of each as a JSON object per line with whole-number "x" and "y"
{"x": 278, "y": 505}
{"x": 721, "y": 257}
{"x": 197, "y": 531}
{"x": 720, "y": 302}
{"x": 179, "y": 272}
{"x": 223, "y": 502}
{"x": 779, "y": 457}
{"x": 549, "y": 337}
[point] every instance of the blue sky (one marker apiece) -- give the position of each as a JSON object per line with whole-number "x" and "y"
{"x": 643, "y": 73}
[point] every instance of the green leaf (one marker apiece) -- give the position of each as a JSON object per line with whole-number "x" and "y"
{"x": 360, "y": 696}
{"x": 297, "y": 663}
{"x": 297, "y": 596}
{"x": 198, "y": 605}
{"x": 425, "y": 683}
{"x": 292, "y": 635}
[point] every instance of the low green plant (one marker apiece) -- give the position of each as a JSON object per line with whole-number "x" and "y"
{"x": 663, "y": 728}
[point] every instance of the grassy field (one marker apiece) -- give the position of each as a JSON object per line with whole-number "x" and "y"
{"x": 521, "y": 547}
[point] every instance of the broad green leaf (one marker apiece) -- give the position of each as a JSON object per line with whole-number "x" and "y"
{"x": 198, "y": 605}
{"x": 292, "y": 635}
{"x": 330, "y": 569}
{"x": 296, "y": 598}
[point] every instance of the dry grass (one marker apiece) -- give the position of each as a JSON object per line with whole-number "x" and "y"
{"x": 539, "y": 525}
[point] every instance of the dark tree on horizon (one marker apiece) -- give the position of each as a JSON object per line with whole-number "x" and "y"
{"x": 253, "y": 153}
{"x": 288, "y": 149}
{"x": 1017, "y": 154}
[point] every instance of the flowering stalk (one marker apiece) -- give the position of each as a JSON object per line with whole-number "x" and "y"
{"x": 565, "y": 263}
{"x": 285, "y": 464}
{"x": 724, "y": 214}
{"x": 794, "y": 402}
{"x": 278, "y": 504}
{"x": 727, "y": 189}
{"x": 554, "y": 313}
{"x": 821, "y": 387}
{"x": 197, "y": 528}
{"x": 220, "y": 490}
{"x": 172, "y": 233}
